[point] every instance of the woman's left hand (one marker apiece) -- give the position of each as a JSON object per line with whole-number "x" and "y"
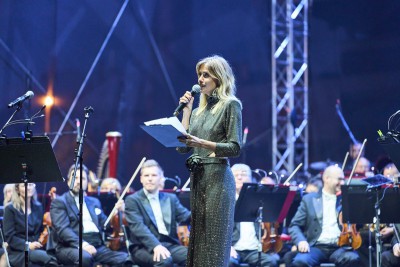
{"x": 192, "y": 141}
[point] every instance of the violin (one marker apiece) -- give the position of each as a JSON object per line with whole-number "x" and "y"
{"x": 349, "y": 235}
{"x": 183, "y": 235}
{"x": 117, "y": 238}
{"x": 271, "y": 240}
{"x": 44, "y": 236}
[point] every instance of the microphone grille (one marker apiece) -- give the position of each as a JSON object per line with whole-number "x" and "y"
{"x": 29, "y": 94}
{"x": 195, "y": 89}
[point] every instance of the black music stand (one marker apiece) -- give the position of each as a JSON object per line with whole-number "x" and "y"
{"x": 28, "y": 161}
{"x": 362, "y": 204}
{"x": 263, "y": 203}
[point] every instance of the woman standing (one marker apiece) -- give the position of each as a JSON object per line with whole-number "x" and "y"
{"x": 14, "y": 228}
{"x": 215, "y": 133}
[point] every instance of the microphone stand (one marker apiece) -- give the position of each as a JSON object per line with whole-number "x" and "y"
{"x": 79, "y": 160}
{"x": 12, "y": 116}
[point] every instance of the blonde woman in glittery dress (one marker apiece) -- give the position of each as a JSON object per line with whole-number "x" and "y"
{"x": 215, "y": 134}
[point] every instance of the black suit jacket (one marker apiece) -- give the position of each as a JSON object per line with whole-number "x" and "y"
{"x": 65, "y": 218}
{"x": 14, "y": 225}
{"x": 306, "y": 224}
{"x": 142, "y": 223}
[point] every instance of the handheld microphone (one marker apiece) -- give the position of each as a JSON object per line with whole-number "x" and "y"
{"x": 19, "y": 100}
{"x": 195, "y": 91}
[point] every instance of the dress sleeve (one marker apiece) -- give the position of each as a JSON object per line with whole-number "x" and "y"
{"x": 233, "y": 129}
{"x": 185, "y": 149}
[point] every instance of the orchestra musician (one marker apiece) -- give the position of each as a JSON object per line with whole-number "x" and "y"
{"x": 110, "y": 185}
{"x": 315, "y": 228}
{"x": 390, "y": 171}
{"x": 7, "y": 192}
{"x": 354, "y": 150}
{"x": 363, "y": 167}
{"x": 64, "y": 215}
{"x": 313, "y": 185}
{"x": 267, "y": 180}
{"x": 152, "y": 218}
{"x": 391, "y": 258}
{"x": 245, "y": 243}
{"x": 14, "y": 228}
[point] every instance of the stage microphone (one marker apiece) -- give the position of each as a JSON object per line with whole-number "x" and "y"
{"x": 19, "y": 100}
{"x": 245, "y": 132}
{"x": 78, "y": 130}
{"x": 195, "y": 91}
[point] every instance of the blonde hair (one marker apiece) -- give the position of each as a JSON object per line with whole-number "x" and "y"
{"x": 222, "y": 73}
{"x": 110, "y": 181}
{"x": 151, "y": 163}
{"x": 5, "y": 189}
{"x": 18, "y": 201}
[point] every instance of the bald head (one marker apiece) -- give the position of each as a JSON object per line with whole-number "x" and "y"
{"x": 333, "y": 177}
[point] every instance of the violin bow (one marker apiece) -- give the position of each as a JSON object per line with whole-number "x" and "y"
{"x": 124, "y": 192}
{"x": 293, "y": 173}
{"x": 345, "y": 160}
{"x": 356, "y": 162}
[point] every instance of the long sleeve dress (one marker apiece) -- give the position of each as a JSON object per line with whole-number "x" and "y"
{"x": 213, "y": 187}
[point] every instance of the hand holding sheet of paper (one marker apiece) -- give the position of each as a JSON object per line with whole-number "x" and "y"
{"x": 190, "y": 140}
{"x": 166, "y": 130}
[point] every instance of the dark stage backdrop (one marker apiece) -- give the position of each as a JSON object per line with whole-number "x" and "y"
{"x": 150, "y": 60}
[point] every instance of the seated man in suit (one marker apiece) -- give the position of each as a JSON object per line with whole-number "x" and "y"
{"x": 314, "y": 228}
{"x": 64, "y": 212}
{"x": 152, "y": 218}
{"x": 244, "y": 239}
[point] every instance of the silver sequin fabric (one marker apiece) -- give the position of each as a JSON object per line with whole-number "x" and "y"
{"x": 213, "y": 189}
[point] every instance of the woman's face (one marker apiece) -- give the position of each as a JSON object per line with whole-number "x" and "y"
{"x": 206, "y": 82}
{"x": 31, "y": 189}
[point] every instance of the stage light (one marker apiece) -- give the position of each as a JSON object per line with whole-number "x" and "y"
{"x": 49, "y": 101}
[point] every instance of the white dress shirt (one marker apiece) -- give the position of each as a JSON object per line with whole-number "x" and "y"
{"x": 330, "y": 229}
{"x": 248, "y": 236}
{"x": 156, "y": 207}
{"x": 88, "y": 225}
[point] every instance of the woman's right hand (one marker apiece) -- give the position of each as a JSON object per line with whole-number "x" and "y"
{"x": 187, "y": 98}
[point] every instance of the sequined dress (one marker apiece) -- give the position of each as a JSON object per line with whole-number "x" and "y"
{"x": 213, "y": 189}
